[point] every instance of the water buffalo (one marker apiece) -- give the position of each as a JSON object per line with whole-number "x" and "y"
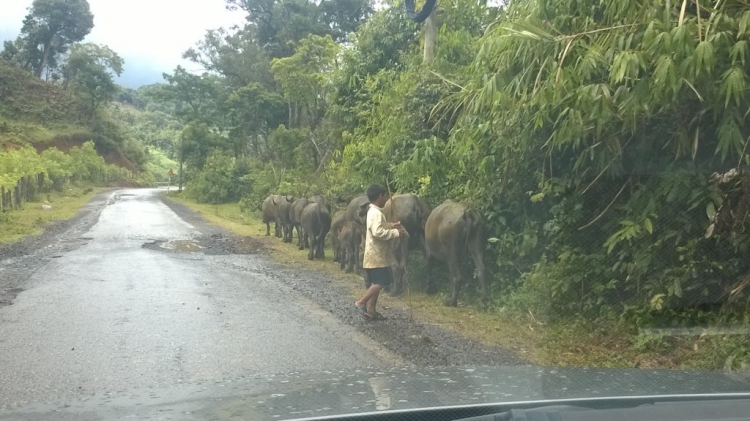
{"x": 322, "y": 200}
{"x": 337, "y": 223}
{"x": 316, "y": 222}
{"x": 451, "y": 231}
{"x": 269, "y": 214}
{"x": 283, "y": 206}
{"x": 412, "y": 211}
{"x": 349, "y": 238}
{"x": 353, "y": 215}
{"x": 295, "y": 216}
{"x": 353, "y": 209}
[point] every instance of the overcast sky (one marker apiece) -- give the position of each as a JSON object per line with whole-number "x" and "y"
{"x": 150, "y": 35}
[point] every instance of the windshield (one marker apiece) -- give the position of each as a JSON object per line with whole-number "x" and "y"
{"x": 340, "y": 206}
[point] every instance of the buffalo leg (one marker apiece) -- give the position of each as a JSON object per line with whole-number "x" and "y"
{"x": 320, "y": 249}
{"x": 313, "y": 244}
{"x": 268, "y": 229}
{"x": 343, "y": 258}
{"x": 454, "y": 266}
{"x": 350, "y": 257}
{"x": 398, "y": 278}
{"x": 476, "y": 249}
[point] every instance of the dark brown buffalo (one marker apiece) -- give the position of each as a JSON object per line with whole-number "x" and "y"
{"x": 322, "y": 200}
{"x": 295, "y": 216}
{"x": 353, "y": 214}
{"x": 349, "y": 238}
{"x": 316, "y": 222}
{"x": 412, "y": 211}
{"x": 337, "y": 222}
{"x": 452, "y": 231}
{"x": 283, "y": 207}
{"x": 353, "y": 209}
{"x": 269, "y": 214}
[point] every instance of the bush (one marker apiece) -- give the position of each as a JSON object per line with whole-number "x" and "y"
{"x": 222, "y": 179}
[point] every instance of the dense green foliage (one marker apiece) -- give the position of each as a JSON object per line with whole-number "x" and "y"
{"x": 69, "y": 105}
{"x": 585, "y": 132}
{"x": 47, "y": 33}
{"x": 80, "y": 165}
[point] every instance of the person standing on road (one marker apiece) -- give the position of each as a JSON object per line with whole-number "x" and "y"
{"x": 378, "y": 253}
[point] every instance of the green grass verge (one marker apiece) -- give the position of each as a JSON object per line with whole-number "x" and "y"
{"x": 31, "y": 218}
{"x": 580, "y": 343}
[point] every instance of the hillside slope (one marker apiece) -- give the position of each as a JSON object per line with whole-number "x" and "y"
{"x": 44, "y": 115}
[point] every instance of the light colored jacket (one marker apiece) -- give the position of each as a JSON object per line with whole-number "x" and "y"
{"x": 378, "y": 253}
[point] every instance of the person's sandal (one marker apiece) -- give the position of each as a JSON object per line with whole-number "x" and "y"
{"x": 379, "y": 316}
{"x": 362, "y": 308}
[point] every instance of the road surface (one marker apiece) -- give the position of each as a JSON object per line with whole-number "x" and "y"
{"x": 131, "y": 302}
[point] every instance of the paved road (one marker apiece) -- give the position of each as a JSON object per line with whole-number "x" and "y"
{"x": 107, "y": 314}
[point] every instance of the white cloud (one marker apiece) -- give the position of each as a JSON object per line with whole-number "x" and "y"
{"x": 153, "y": 32}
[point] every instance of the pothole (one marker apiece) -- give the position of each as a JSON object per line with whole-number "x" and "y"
{"x": 185, "y": 246}
{"x": 211, "y": 245}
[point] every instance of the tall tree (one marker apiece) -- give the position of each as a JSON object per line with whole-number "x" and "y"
{"x": 306, "y": 80}
{"x": 89, "y": 72}
{"x": 281, "y": 24}
{"x": 194, "y": 96}
{"x": 235, "y": 55}
{"x": 50, "y": 27}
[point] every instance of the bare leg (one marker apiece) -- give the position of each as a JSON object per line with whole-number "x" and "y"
{"x": 373, "y": 303}
{"x": 370, "y": 293}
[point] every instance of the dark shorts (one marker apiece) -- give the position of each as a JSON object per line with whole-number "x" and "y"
{"x": 380, "y": 276}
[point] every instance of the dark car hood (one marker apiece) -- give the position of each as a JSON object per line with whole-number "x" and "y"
{"x": 302, "y": 395}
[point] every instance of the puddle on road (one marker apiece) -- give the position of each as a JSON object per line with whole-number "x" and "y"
{"x": 216, "y": 244}
{"x": 187, "y": 246}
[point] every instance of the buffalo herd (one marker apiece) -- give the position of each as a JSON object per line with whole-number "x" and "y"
{"x": 450, "y": 233}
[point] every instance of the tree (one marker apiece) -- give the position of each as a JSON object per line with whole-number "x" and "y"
{"x": 306, "y": 80}
{"x": 194, "y": 145}
{"x": 235, "y": 55}
{"x": 281, "y": 24}
{"x": 254, "y": 112}
{"x": 49, "y": 28}
{"x": 88, "y": 71}
{"x": 195, "y": 96}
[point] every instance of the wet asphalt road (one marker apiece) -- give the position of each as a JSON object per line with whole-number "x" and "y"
{"x": 107, "y": 314}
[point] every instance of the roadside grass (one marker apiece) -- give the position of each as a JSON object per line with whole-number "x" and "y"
{"x": 31, "y": 219}
{"x": 565, "y": 343}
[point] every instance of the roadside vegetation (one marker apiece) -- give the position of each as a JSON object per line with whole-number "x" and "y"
{"x": 580, "y": 343}
{"x": 61, "y": 129}
{"x": 605, "y": 144}
{"x": 33, "y": 216}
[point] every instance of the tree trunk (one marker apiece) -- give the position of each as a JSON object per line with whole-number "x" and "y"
{"x": 180, "y": 183}
{"x": 19, "y": 191}
{"x": 45, "y": 57}
{"x": 430, "y": 37}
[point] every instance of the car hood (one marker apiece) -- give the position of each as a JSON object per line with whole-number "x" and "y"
{"x": 303, "y": 395}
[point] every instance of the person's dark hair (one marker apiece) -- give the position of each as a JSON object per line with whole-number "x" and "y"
{"x": 374, "y": 191}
